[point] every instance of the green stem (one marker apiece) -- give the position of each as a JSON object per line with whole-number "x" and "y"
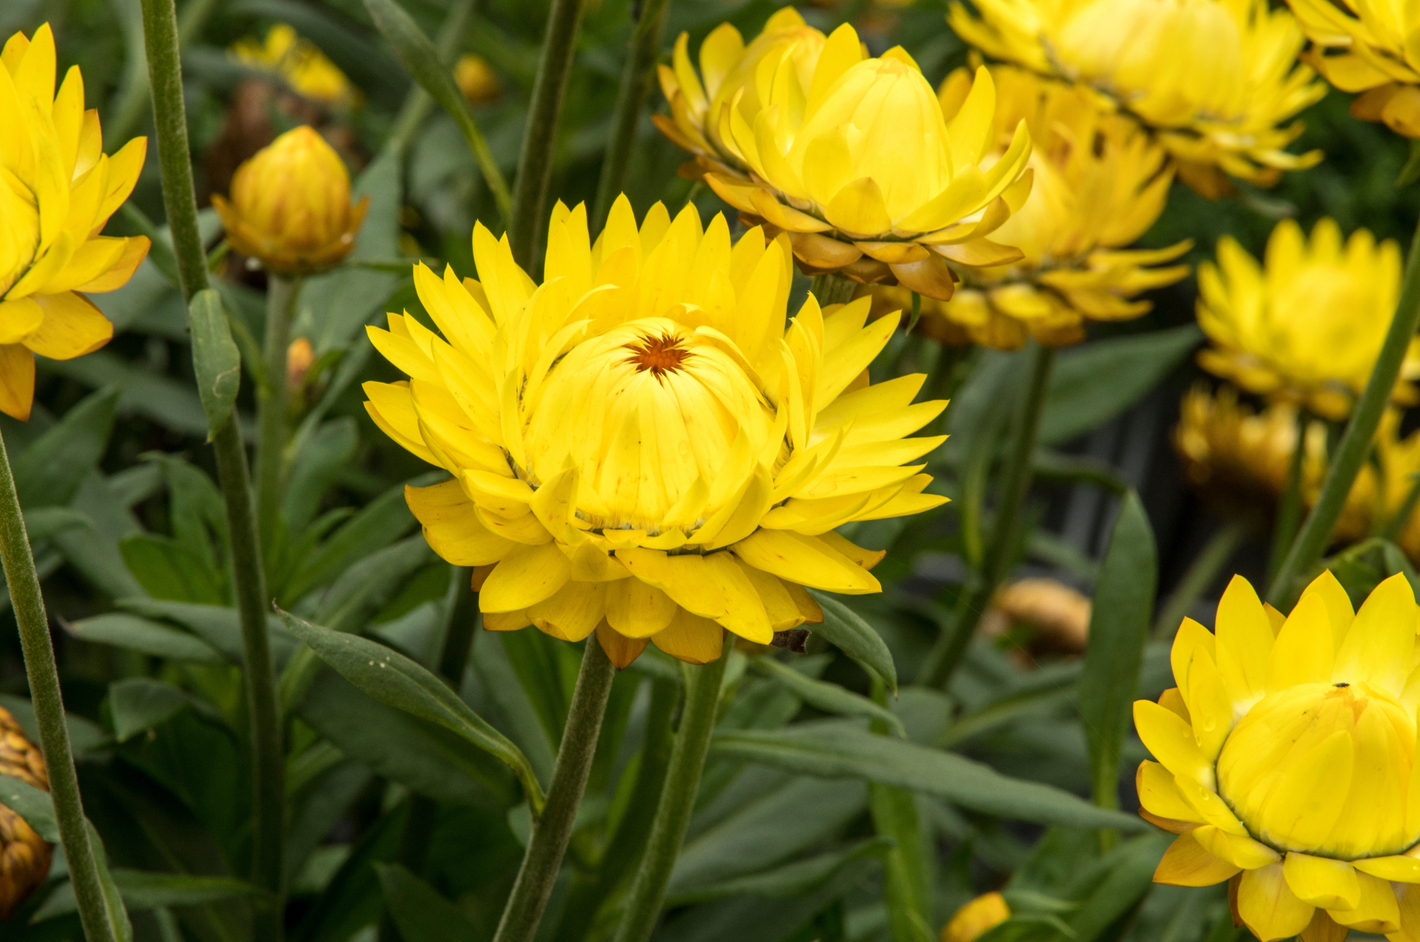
{"x": 554, "y": 68}
{"x": 160, "y": 33}
{"x": 35, "y": 643}
{"x": 636, "y": 78}
{"x": 946, "y": 655}
{"x": 418, "y": 104}
{"x": 553, "y": 829}
{"x": 1201, "y": 574}
{"x": 1289, "y": 510}
{"x": 282, "y": 295}
{"x": 1356, "y": 442}
{"x": 832, "y": 289}
{"x": 692, "y": 741}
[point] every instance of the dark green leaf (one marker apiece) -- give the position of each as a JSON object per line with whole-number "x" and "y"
{"x": 168, "y": 570}
{"x": 172, "y": 404}
{"x": 85, "y": 735}
{"x": 396, "y": 681}
{"x": 44, "y": 522}
{"x": 420, "y": 913}
{"x": 48, "y": 473}
{"x": 839, "y": 751}
{"x": 143, "y": 891}
{"x": 827, "y": 697}
{"x": 1119, "y": 627}
{"x": 844, "y": 629}
{"x": 215, "y": 358}
{"x": 1093, "y": 383}
{"x": 148, "y": 637}
{"x": 786, "y": 882}
{"x": 384, "y": 519}
{"x": 218, "y": 625}
{"x": 140, "y": 703}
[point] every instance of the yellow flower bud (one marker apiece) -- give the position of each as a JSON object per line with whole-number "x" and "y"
{"x": 57, "y": 192}
{"x": 477, "y": 80}
{"x": 298, "y": 62}
{"x": 974, "y": 918}
{"x": 300, "y": 357}
{"x": 24, "y": 856}
{"x": 290, "y": 206}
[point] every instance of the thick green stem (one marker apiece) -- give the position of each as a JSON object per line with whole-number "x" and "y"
{"x": 692, "y": 741}
{"x": 554, "y": 68}
{"x": 947, "y": 653}
{"x": 553, "y": 829}
{"x": 43, "y": 675}
{"x": 832, "y": 289}
{"x": 636, "y": 79}
{"x": 1200, "y": 574}
{"x": 179, "y": 199}
{"x": 1356, "y": 442}
{"x": 1289, "y": 510}
{"x": 282, "y": 294}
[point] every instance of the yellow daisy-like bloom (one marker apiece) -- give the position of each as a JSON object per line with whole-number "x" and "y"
{"x": 290, "y": 205}
{"x": 1100, "y": 182}
{"x": 639, "y": 446}
{"x": 298, "y": 62}
{"x": 1213, "y": 78}
{"x": 1376, "y": 54}
{"x": 57, "y": 192}
{"x": 1237, "y": 459}
{"x": 850, "y": 155}
{"x": 976, "y": 917}
{"x": 1286, "y": 757}
{"x": 1308, "y": 323}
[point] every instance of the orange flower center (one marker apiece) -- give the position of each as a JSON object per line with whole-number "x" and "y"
{"x": 660, "y": 355}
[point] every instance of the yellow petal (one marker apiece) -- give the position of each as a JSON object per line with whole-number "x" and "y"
{"x": 859, "y": 209}
{"x": 1397, "y": 869}
{"x": 1304, "y": 649}
{"x": 691, "y": 638}
{"x": 806, "y": 560}
{"x": 1377, "y": 648}
{"x": 72, "y": 327}
{"x": 1159, "y": 795}
{"x": 1378, "y": 911}
{"x": 1171, "y": 741}
{"x": 1268, "y": 907}
{"x": 637, "y": 610}
{"x": 17, "y": 380}
{"x": 619, "y": 649}
{"x": 451, "y": 525}
{"x": 1186, "y": 863}
{"x": 1322, "y": 881}
{"x": 526, "y": 576}
{"x": 1244, "y": 642}
{"x": 1237, "y": 849}
{"x": 19, "y": 319}
{"x": 572, "y": 612}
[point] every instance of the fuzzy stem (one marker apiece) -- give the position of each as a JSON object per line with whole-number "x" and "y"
{"x": 282, "y": 295}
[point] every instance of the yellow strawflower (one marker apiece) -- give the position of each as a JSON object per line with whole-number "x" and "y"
{"x": 849, "y": 154}
{"x": 476, "y": 79}
{"x": 640, "y": 446}
{"x": 1215, "y": 79}
{"x": 1308, "y": 323}
{"x": 1100, "y": 182}
{"x": 290, "y": 205}
{"x": 975, "y": 917}
{"x": 25, "y": 857}
{"x": 1380, "y": 490}
{"x": 1286, "y": 755}
{"x": 57, "y": 192}
{"x": 1376, "y": 55}
{"x": 298, "y": 62}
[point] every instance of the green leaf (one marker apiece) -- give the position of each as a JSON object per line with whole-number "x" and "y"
{"x": 48, "y": 473}
{"x": 786, "y": 882}
{"x": 215, "y": 358}
{"x": 168, "y": 570}
{"x": 218, "y": 625}
{"x": 423, "y": 63}
{"x": 844, "y": 629}
{"x": 418, "y": 911}
{"x": 85, "y": 736}
{"x": 1119, "y": 627}
{"x": 147, "y": 637}
{"x": 1093, "y": 383}
{"x": 384, "y": 519}
{"x": 827, "y": 697}
{"x": 44, "y": 522}
{"x": 838, "y": 751}
{"x": 143, "y": 891}
{"x": 140, "y": 703}
{"x": 396, "y": 681}
{"x": 172, "y": 404}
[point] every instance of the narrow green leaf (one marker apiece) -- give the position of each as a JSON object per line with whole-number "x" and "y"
{"x": 397, "y": 681}
{"x": 168, "y": 570}
{"x": 786, "y": 882}
{"x": 44, "y": 522}
{"x": 48, "y": 473}
{"x": 822, "y": 695}
{"x": 140, "y": 703}
{"x": 838, "y": 751}
{"x": 218, "y": 625}
{"x": 844, "y": 629}
{"x": 418, "y": 911}
{"x": 419, "y": 56}
{"x": 215, "y": 358}
{"x": 148, "y": 637}
{"x": 1119, "y": 627}
{"x": 141, "y": 891}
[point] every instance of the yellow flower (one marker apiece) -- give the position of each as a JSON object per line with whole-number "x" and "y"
{"x": 1376, "y": 55}
{"x": 1286, "y": 755}
{"x": 1308, "y": 324}
{"x": 290, "y": 205}
{"x": 1100, "y": 182}
{"x": 1237, "y": 459}
{"x": 975, "y": 917}
{"x": 850, "y": 155}
{"x": 476, "y": 79}
{"x": 639, "y": 446}
{"x": 1380, "y": 490}
{"x": 298, "y": 62}
{"x": 57, "y": 191}
{"x": 1214, "y": 79}
{"x": 25, "y": 857}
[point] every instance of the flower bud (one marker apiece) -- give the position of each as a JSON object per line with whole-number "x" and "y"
{"x": 290, "y": 206}
{"x": 977, "y": 917}
{"x": 477, "y": 80}
{"x": 300, "y": 356}
{"x": 24, "y": 856}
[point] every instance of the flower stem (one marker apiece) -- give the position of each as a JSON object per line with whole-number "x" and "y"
{"x": 692, "y": 741}
{"x": 282, "y": 294}
{"x": 553, "y": 829}
{"x": 28, "y": 603}
{"x": 946, "y": 655}
{"x": 559, "y": 45}
{"x": 635, "y": 87}
{"x": 179, "y": 199}
{"x": 832, "y": 288}
{"x": 418, "y": 104}
{"x": 1355, "y": 442}
{"x": 1289, "y": 511}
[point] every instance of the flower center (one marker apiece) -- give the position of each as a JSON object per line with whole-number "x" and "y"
{"x": 662, "y": 354}
{"x": 1324, "y": 768}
